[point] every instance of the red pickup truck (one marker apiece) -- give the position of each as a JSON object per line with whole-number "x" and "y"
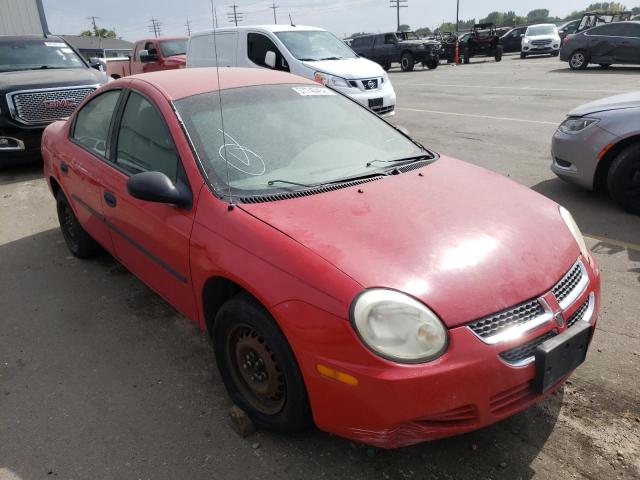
{"x": 150, "y": 55}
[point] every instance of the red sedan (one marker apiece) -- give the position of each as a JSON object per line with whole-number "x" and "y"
{"x": 346, "y": 274}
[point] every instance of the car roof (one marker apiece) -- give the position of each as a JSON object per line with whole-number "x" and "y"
{"x": 185, "y": 82}
{"x": 264, "y": 28}
{"x": 542, "y": 25}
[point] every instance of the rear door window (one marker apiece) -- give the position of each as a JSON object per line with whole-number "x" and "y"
{"x": 144, "y": 141}
{"x": 91, "y": 128}
{"x": 609, "y": 30}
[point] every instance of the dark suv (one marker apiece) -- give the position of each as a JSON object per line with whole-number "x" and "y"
{"x": 42, "y": 79}
{"x": 404, "y": 48}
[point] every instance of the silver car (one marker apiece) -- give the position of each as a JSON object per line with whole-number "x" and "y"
{"x": 598, "y": 145}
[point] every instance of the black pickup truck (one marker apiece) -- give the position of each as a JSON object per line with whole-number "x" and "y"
{"x": 404, "y": 48}
{"x": 42, "y": 79}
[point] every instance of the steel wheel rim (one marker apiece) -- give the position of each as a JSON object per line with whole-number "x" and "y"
{"x": 69, "y": 223}
{"x": 255, "y": 369}
{"x": 405, "y": 62}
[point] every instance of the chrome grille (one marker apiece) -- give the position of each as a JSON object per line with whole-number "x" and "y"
{"x": 571, "y": 285}
{"x": 45, "y": 106}
{"x": 541, "y": 42}
{"x": 579, "y": 313}
{"x": 383, "y": 110}
{"x": 525, "y": 353}
{"x": 489, "y": 328}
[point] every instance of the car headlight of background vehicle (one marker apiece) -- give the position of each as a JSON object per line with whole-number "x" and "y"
{"x": 526, "y": 40}
{"x": 398, "y": 327}
{"x": 330, "y": 80}
{"x": 573, "y": 125}
{"x": 575, "y": 231}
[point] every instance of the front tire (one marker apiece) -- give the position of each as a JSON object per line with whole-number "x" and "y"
{"x": 258, "y": 367}
{"x": 406, "y": 62}
{"x": 78, "y": 241}
{"x": 623, "y": 180}
{"x": 579, "y": 60}
{"x": 432, "y": 64}
{"x": 498, "y": 54}
{"x": 523, "y": 55}
{"x": 467, "y": 55}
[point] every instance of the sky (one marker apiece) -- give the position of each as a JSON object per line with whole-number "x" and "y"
{"x": 131, "y": 18}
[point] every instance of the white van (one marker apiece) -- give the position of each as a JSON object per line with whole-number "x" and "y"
{"x": 306, "y": 51}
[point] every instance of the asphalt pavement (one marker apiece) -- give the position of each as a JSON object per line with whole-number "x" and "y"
{"x": 100, "y": 378}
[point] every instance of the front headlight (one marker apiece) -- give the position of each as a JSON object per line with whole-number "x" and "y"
{"x": 525, "y": 40}
{"x": 397, "y": 327}
{"x": 575, "y": 231}
{"x": 330, "y": 80}
{"x": 385, "y": 77}
{"x": 574, "y": 125}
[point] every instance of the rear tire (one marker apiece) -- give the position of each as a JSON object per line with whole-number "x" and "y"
{"x": 258, "y": 367}
{"x": 623, "y": 180}
{"x": 579, "y": 60}
{"x": 78, "y": 241}
{"x": 406, "y": 62}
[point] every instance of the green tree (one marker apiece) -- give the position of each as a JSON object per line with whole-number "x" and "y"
{"x": 100, "y": 32}
{"x": 539, "y": 15}
{"x": 424, "y": 31}
{"x": 598, "y": 7}
{"x": 404, "y": 28}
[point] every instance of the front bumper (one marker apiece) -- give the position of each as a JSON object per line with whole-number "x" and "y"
{"x": 575, "y": 157}
{"x": 394, "y": 405}
{"x": 18, "y": 143}
{"x": 385, "y": 92}
{"x": 534, "y": 50}
{"x": 426, "y": 56}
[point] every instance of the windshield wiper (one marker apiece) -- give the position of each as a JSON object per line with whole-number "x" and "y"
{"x": 272, "y": 182}
{"x": 402, "y": 160}
{"x": 333, "y": 58}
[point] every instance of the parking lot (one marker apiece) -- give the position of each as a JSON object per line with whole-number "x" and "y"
{"x": 100, "y": 378}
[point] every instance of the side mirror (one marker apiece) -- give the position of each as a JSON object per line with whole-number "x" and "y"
{"x": 270, "y": 59}
{"x": 145, "y": 56}
{"x": 522, "y": 35}
{"x": 94, "y": 62}
{"x": 156, "y": 187}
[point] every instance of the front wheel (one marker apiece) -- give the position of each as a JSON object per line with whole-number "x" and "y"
{"x": 498, "y": 54}
{"x": 432, "y": 64}
{"x": 78, "y": 241}
{"x": 467, "y": 55}
{"x": 258, "y": 367}
{"x": 623, "y": 180}
{"x": 406, "y": 62}
{"x": 523, "y": 55}
{"x": 578, "y": 60}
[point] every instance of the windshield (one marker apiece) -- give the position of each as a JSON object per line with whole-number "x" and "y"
{"x": 303, "y": 134}
{"x": 542, "y": 30}
{"x": 35, "y": 54}
{"x": 173, "y": 47}
{"x": 315, "y": 45}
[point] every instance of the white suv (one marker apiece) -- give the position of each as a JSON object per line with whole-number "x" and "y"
{"x": 541, "y": 39}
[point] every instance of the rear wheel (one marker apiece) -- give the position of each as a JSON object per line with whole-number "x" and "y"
{"x": 578, "y": 60}
{"x": 624, "y": 179}
{"x": 406, "y": 62}
{"x": 258, "y": 367}
{"x": 78, "y": 241}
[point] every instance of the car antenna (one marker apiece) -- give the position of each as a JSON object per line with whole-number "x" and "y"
{"x": 231, "y": 205}
{"x": 291, "y": 21}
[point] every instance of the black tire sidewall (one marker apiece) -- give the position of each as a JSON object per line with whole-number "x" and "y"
{"x": 83, "y": 246}
{"x": 409, "y": 61}
{"x": 584, "y": 64}
{"x": 296, "y": 412}
{"x": 619, "y": 174}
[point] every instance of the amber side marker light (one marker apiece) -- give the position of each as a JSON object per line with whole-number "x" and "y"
{"x": 605, "y": 150}
{"x": 337, "y": 375}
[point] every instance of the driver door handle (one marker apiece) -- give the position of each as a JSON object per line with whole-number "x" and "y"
{"x": 110, "y": 198}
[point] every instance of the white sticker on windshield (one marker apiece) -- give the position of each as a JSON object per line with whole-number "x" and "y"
{"x": 66, "y": 50}
{"x": 55, "y": 44}
{"x": 310, "y": 91}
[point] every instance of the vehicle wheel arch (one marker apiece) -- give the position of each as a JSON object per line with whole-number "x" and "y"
{"x": 55, "y": 186}
{"x": 602, "y": 169}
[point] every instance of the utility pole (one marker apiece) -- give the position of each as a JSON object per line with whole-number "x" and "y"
{"x": 155, "y": 27}
{"x": 95, "y": 27}
{"x": 398, "y": 4}
{"x": 236, "y": 16}
{"x": 214, "y": 16}
{"x": 188, "y": 27}
{"x": 457, "y": 16}
{"x": 274, "y": 7}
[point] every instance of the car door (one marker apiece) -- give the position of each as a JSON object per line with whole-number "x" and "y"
{"x": 605, "y": 43}
{"x": 630, "y": 43}
{"x": 82, "y": 172}
{"x": 150, "y": 239}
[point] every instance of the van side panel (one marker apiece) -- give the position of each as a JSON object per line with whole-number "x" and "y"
{"x": 202, "y": 52}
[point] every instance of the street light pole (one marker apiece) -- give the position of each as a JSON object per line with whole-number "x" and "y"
{"x": 457, "y": 15}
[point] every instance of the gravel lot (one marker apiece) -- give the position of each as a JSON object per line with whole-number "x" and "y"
{"x": 99, "y": 378}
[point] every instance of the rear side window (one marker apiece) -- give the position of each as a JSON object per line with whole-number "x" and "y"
{"x": 631, "y": 30}
{"x": 257, "y": 47}
{"x": 389, "y": 39}
{"x": 611, "y": 29}
{"x": 144, "y": 141}
{"x": 92, "y": 122}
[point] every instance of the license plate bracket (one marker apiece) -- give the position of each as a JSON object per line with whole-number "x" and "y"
{"x": 561, "y": 354}
{"x": 375, "y": 102}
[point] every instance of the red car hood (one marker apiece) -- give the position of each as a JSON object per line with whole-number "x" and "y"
{"x": 465, "y": 241}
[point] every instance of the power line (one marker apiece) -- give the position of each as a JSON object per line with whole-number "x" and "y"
{"x": 236, "y": 16}
{"x": 274, "y": 7}
{"x": 398, "y": 4}
{"x": 188, "y": 27}
{"x": 155, "y": 27}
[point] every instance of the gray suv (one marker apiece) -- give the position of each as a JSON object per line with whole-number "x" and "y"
{"x": 404, "y": 48}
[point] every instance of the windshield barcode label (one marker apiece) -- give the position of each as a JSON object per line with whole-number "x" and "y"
{"x": 310, "y": 91}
